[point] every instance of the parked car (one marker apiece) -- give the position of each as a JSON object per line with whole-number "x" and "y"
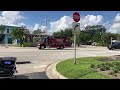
{"x": 114, "y": 46}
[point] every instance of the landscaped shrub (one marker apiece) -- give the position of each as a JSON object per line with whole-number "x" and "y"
{"x": 27, "y": 45}
{"x": 115, "y": 70}
{"x": 117, "y": 67}
{"x": 92, "y": 66}
{"x": 103, "y": 64}
{"x": 107, "y": 67}
{"x": 104, "y": 68}
{"x": 99, "y": 66}
{"x": 109, "y": 64}
{"x": 116, "y": 63}
{"x": 112, "y": 73}
{"x": 102, "y": 44}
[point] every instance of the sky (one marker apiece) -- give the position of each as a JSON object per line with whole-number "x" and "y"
{"x": 57, "y": 20}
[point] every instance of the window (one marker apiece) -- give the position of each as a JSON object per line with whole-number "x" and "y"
{"x": 8, "y": 30}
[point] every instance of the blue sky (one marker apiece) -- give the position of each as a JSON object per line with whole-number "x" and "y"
{"x": 58, "y": 19}
{"x": 39, "y": 16}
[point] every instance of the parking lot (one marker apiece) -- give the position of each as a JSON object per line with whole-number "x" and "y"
{"x": 41, "y": 58}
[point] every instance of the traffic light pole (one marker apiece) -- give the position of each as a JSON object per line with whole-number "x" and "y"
{"x": 74, "y": 49}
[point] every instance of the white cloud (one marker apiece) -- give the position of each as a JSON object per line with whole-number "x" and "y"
{"x": 27, "y": 26}
{"x": 11, "y": 17}
{"x": 117, "y": 18}
{"x": 43, "y": 28}
{"x": 115, "y": 27}
{"x": 30, "y": 29}
{"x": 91, "y": 20}
{"x": 36, "y": 26}
{"x": 107, "y": 25}
{"x": 40, "y": 27}
{"x": 21, "y": 24}
{"x": 66, "y": 22}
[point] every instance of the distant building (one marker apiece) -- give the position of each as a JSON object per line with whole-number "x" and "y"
{"x": 6, "y": 30}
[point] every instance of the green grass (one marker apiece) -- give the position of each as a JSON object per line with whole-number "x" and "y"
{"x": 82, "y": 69}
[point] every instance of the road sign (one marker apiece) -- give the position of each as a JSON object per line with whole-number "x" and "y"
{"x": 76, "y": 17}
{"x": 76, "y": 28}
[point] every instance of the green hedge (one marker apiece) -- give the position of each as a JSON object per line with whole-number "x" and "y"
{"x": 27, "y": 45}
{"x": 102, "y": 44}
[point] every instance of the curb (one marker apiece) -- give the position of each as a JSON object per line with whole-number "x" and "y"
{"x": 52, "y": 73}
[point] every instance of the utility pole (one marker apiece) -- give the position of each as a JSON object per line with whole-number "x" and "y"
{"x": 46, "y": 21}
{"x": 46, "y": 25}
{"x": 111, "y": 40}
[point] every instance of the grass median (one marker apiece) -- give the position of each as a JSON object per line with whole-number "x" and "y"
{"x": 82, "y": 69}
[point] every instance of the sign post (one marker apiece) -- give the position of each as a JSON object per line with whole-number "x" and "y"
{"x": 74, "y": 49}
{"x": 76, "y": 30}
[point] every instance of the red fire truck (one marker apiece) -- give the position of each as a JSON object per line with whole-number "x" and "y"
{"x": 51, "y": 42}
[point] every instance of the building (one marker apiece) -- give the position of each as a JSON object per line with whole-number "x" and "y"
{"x": 29, "y": 38}
{"x": 6, "y": 31}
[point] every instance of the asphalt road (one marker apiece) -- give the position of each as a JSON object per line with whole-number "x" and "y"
{"x": 41, "y": 58}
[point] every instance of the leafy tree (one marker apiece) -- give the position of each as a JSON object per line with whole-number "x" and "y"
{"x": 96, "y": 32}
{"x": 2, "y": 36}
{"x": 107, "y": 37}
{"x": 77, "y": 39}
{"x": 1, "y": 29}
{"x": 18, "y": 33}
{"x": 37, "y": 31}
{"x": 118, "y": 37}
{"x": 68, "y": 32}
{"x": 85, "y": 37}
{"x": 63, "y": 33}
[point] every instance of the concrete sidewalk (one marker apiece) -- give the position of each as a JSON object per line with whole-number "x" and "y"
{"x": 52, "y": 73}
